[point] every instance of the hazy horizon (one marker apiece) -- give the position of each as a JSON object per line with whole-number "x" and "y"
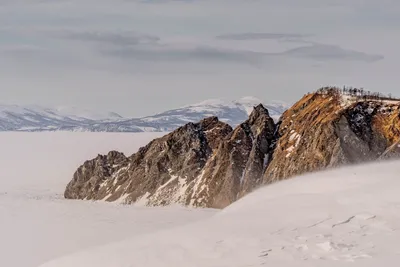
{"x": 138, "y": 58}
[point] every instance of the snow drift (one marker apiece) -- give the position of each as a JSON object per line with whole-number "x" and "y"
{"x": 347, "y": 215}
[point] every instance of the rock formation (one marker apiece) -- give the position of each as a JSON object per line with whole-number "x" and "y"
{"x": 328, "y": 129}
{"x": 208, "y": 164}
{"x": 160, "y": 173}
{"x": 205, "y": 165}
{"x": 237, "y": 166}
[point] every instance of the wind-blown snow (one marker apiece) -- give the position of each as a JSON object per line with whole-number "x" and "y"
{"x": 331, "y": 218}
{"x": 37, "y": 224}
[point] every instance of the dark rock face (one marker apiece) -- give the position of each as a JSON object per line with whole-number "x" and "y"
{"x": 208, "y": 164}
{"x": 238, "y": 165}
{"x": 88, "y": 179}
{"x": 159, "y": 173}
{"x": 204, "y": 165}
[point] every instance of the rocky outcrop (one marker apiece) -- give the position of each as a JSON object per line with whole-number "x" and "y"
{"x": 237, "y": 166}
{"x": 205, "y": 165}
{"x": 327, "y": 129}
{"x": 209, "y": 164}
{"x": 160, "y": 173}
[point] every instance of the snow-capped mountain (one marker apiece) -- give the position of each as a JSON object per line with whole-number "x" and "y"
{"x": 233, "y": 113}
{"x": 34, "y": 118}
{"x": 87, "y": 114}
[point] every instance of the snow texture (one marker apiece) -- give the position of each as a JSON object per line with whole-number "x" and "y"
{"x": 332, "y": 218}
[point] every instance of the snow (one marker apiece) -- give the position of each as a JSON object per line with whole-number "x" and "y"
{"x": 197, "y": 183}
{"x": 182, "y": 186}
{"x": 294, "y": 136}
{"x": 143, "y": 200}
{"x": 391, "y": 102}
{"x": 211, "y": 102}
{"x": 36, "y": 118}
{"x": 58, "y": 113}
{"x": 37, "y": 224}
{"x": 248, "y": 103}
{"x": 173, "y": 178}
{"x": 266, "y": 160}
{"x": 347, "y": 100}
{"x": 331, "y": 218}
{"x": 289, "y": 150}
{"x": 245, "y": 104}
{"x": 85, "y": 113}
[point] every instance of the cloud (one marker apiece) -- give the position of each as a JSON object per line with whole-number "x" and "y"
{"x": 330, "y": 52}
{"x": 20, "y": 49}
{"x": 186, "y": 54}
{"x": 114, "y": 38}
{"x": 167, "y": 52}
{"x": 130, "y": 46}
{"x": 314, "y": 51}
{"x": 131, "y": 50}
{"x": 260, "y": 36}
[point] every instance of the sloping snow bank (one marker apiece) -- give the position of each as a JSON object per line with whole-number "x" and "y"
{"x": 332, "y": 218}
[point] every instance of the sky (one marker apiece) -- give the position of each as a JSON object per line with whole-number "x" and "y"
{"x": 140, "y": 57}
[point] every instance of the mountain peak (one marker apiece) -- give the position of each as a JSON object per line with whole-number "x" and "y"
{"x": 258, "y": 111}
{"x": 249, "y": 100}
{"x": 244, "y": 101}
{"x": 210, "y": 102}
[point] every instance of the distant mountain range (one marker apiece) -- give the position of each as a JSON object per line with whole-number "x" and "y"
{"x": 36, "y": 119}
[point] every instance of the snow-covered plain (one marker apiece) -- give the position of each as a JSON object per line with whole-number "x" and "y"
{"x": 333, "y": 218}
{"x": 344, "y": 217}
{"x": 37, "y": 224}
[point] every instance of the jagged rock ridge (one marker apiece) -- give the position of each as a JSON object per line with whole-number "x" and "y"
{"x": 194, "y": 165}
{"x": 209, "y": 164}
{"x": 156, "y": 171}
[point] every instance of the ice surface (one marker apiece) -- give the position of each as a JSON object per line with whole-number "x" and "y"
{"x": 37, "y": 224}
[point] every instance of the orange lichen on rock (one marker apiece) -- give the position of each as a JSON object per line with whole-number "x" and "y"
{"x": 329, "y": 128}
{"x": 388, "y": 124}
